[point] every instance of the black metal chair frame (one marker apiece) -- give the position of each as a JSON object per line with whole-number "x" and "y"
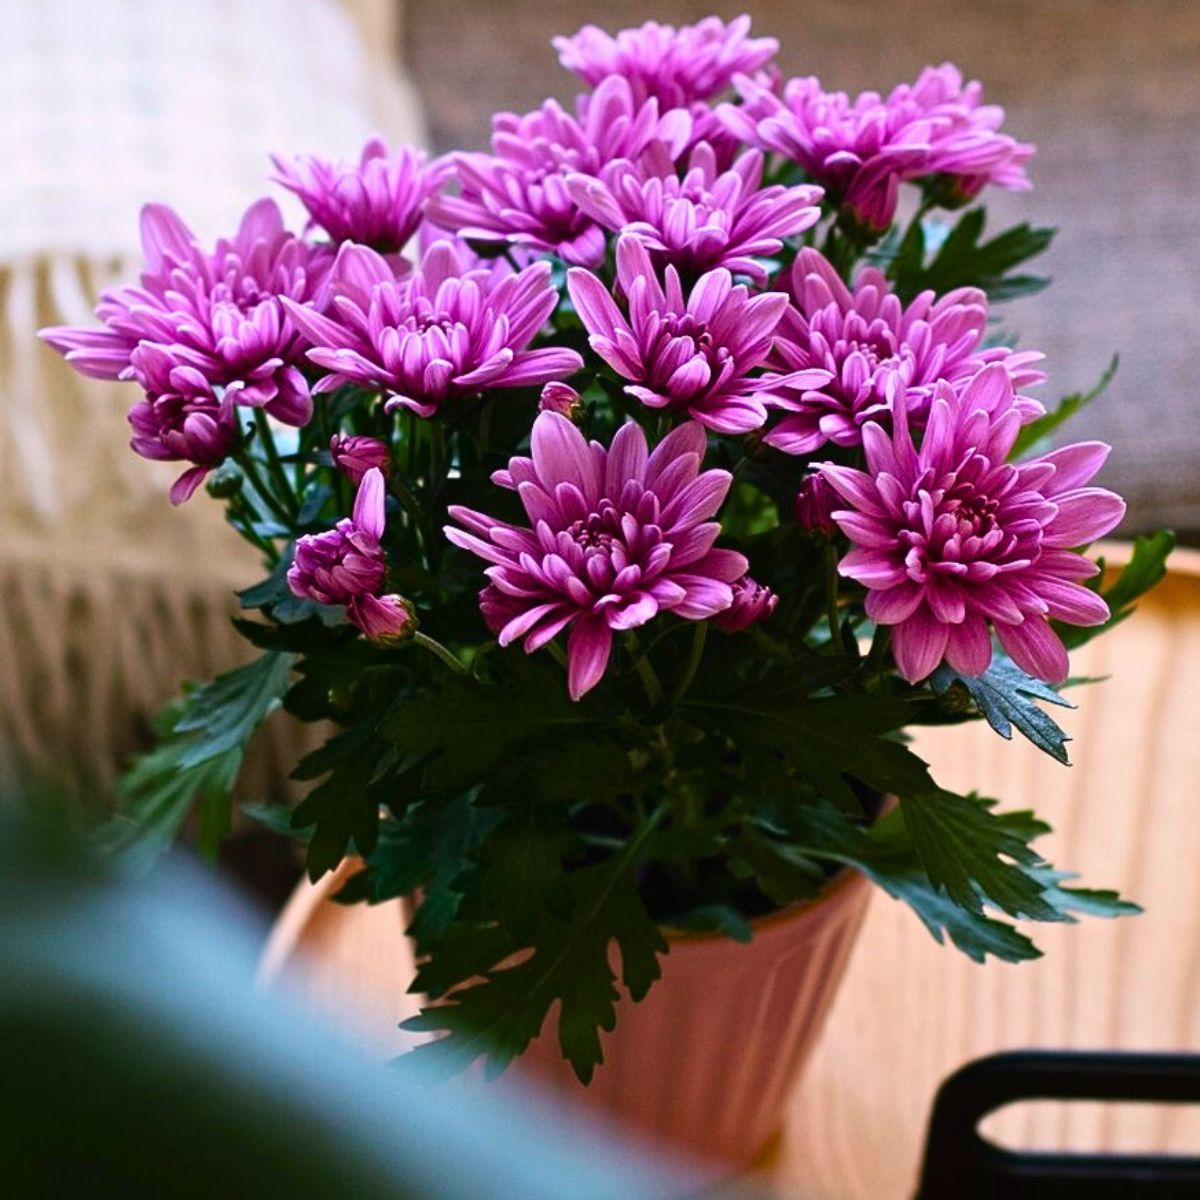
{"x": 961, "y": 1164}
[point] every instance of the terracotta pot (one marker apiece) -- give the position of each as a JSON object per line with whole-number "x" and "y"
{"x": 706, "y": 1061}
{"x": 702, "y": 1066}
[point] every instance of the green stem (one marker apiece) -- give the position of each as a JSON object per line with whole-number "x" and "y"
{"x": 448, "y": 657}
{"x": 559, "y": 655}
{"x": 247, "y": 464}
{"x": 650, "y": 681}
{"x": 831, "y": 584}
{"x": 693, "y": 662}
{"x": 278, "y": 474}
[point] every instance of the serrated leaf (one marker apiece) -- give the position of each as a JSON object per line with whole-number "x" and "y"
{"x": 224, "y": 714}
{"x": 884, "y": 852}
{"x": 523, "y": 874}
{"x": 343, "y": 809}
{"x": 827, "y": 739}
{"x": 203, "y": 741}
{"x": 784, "y": 875}
{"x": 1039, "y": 430}
{"x": 498, "y": 1017}
{"x": 1006, "y": 698}
{"x": 964, "y": 260}
{"x": 467, "y": 729}
{"x": 977, "y": 855}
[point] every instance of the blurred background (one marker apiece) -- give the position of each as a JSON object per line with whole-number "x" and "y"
{"x": 1108, "y": 90}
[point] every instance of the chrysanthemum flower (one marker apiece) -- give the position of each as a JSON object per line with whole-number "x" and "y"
{"x": 440, "y": 333}
{"x": 705, "y": 219}
{"x": 518, "y": 193}
{"x": 950, "y": 538}
{"x": 861, "y": 150}
{"x": 354, "y": 455}
{"x": 678, "y": 67}
{"x": 181, "y": 418}
{"x": 967, "y": 149}
{"x": 752, "y": 602}
{"x": 615, "y": 537}
{"x": 347, "y": 566}
{"x": 688, "y": 354}
{"x": 866, "y": 340}
{"x": 218, "y": 313}
{"x": 377, "y": 201}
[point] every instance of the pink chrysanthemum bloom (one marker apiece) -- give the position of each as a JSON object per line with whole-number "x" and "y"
{"x": 874, "y": 347}
{"x": 377, "y": 201}
{"x": 354, "y": 455}
{"x": 347, "y": 566}
{"x": 438, "y": 334}
{"x": 616, "y": 536}
{"x": 752, "y": 602}
{"x": 688, "y": 354}
{"x": 705, "y": 219}
{"x": 181, "y": 418}
{"x": 968, "y": 150}
{"x": 678, "y": 67}
{"x": 518, "y": 194}
{"x": 216, "y": 313}
{"x": 861, "y": 150}
{"x": 950, "y": 537}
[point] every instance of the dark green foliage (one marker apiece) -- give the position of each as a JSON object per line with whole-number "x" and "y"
{"x": 964, "y": 260}
{"x": 202, "y": 741}
{"x": 499, "y": 1016}
{"x": 709, "y": 779}
{"x": 1006, "y": 697}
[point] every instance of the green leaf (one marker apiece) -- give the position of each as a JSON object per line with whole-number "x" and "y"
{"x": 1007, "y": 697}
{"x": 1038, "y": 431}
{"x": 887, "y": 854}
{"x": 468, "y": 729}
{"x": 426, "y": 849}
{"x": 963, "y": 260}
{"x": 715, "y": 918}
{"x": 224, "y": 714}
{"x": 498, "y": 1017}
{"x": 1146, "y": 568}
{"x": 203, "y": 739}
{"x": 523, "y": 874}
{"x": 827, "y": 739}
{"x": 784, "y": 875}
{"x": 362, "y": 773}
{"x": 977, "y": 855}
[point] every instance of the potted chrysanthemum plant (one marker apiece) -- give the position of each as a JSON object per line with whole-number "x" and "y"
{"x": 620, "y": 529}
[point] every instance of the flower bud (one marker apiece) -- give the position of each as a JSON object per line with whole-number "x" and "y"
{"x": 389, "y": 620}
{"x": 225, "y": 481}
{"x": 561, "y": 398}
{"x": 354, "y": 456}
{"x": 815, "y": 503}
{"x": 752, "y": 602}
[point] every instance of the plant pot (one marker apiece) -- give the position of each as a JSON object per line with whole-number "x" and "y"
{"x": 706, "y": 1061}
{"x": 703, "y": 1066}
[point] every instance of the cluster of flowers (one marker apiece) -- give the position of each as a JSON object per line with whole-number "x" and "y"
{"x": 698, "y": 200}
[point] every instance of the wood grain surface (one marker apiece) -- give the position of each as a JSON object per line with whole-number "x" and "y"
{"x": 910, "y": 1011}
{"x": 1126, "y": 815}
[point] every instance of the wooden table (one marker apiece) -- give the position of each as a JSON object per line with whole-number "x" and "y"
{"x": 910, "y": 1011}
